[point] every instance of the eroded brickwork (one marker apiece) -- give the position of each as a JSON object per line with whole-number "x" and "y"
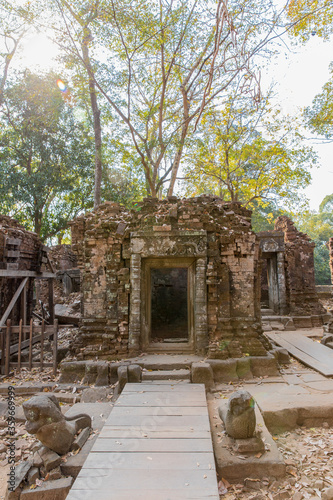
{"x": 20, "y": 250}
{"x": 301, "y": 293}
{"x": 330, "y": 248}
{"x": 115, "y": 248}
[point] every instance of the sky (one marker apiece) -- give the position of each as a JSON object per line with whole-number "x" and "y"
{"x": 299, "y": 74}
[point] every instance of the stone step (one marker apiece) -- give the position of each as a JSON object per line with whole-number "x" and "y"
{"x": 267, "y": 312}
{"x": 166, "y": 375}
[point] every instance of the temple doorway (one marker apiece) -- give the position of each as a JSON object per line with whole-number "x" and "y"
{"x": 169, "y": 304}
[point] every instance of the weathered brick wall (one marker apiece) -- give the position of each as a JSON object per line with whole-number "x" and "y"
{"x": 302, "y": 298}
{"x": 102, "y": 242}
{"x": 330, "y": 248}
{"x": 28, "y": 247}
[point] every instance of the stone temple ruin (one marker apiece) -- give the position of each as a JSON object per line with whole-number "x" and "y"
{"x": 186, "y": 276}
{"x": 287, "y": 277}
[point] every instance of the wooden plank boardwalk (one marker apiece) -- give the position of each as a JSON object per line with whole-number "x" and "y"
{"x": 155, "y": 445}
{"x": 309, "y": 352}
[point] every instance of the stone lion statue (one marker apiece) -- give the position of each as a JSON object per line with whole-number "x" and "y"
{"x": 239, "y": 418}
{"x": 51, "y": 427}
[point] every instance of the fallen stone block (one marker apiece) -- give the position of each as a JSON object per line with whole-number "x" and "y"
{"x": 97, "y": 372}
{"x": 95, "y": 394}
{"x": 49, "y": 490}
{"x": 72, "y": 371}
{"x": 134, "y": 373}
{"x": 202, "y": 373}
{"x": 17, "y": 475}
{"x": 98, "y": 412}
{"x": 224, "y": 370}
{"x": 81, "y": 439}
{"x": 122, "y": 377}
{"x": 33, "y": 474}
{"x": 243, "y": 368}
{"x": 264, "y": 366}
{"x": 50, "y": 458}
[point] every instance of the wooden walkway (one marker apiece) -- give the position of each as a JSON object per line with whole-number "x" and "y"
{"x": 155, "y": 445}
{"x": 309, "y": 352}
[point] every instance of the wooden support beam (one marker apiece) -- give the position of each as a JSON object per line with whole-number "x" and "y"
{"x": 24, "y": 302}
{"x": 42, "y": 346}
{"x": 3, "y": 347}
{"x": 13, "y": 301}
{"x": 19, "y": 346}
{"x": 51, "y": 301}
{"x": 13, "y": 273}
{"x": 30, "y": 343}
{"x": 7, "y": 351}
{"x": 55, "y": 347}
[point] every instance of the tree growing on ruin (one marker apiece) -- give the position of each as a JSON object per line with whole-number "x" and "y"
{"x": 315, "y": 18}
{"x": 248, "y": 153}
{"x": 46, "y": 156}
{"x": 160, "y": 66}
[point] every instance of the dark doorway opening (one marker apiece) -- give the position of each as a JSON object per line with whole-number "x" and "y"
{"x": 169, "y": 304}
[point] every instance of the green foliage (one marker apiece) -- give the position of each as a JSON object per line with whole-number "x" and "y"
{"x": 310, "y": 17}
{"x": 319, "y": 116}
{"x": 319, "y": 227}
{"x": 46, "y": 156}
{"x": 253, "y": 156}
{"x": 159, "y": 65}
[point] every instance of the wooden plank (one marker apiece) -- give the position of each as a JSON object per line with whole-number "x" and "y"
{"x": 318, "y": 351}
{"x": 55, "y": 347}
{"x": 140, "y": 479}
{"x": 143, "y": 453}
{"x": 191, "y": 421}
{"x": 7, "y": 351}
{"x": 51, "y": 302}
{"x": 13, "y": 302}
{"x": 3, "y": 345}
{"x": 166, "y": 399}
{"x": 304, "y": 354}
{"x": 160, "y": 410}
{"x": 13, "y": 241}
{"x": 179, "y": 461}
{"x": 166, "y": 387}
{"x": 26, "y": 343}
{"x": 117, "y": 431}
{"x": 12, "y": 273}
{"x": 30, "y": 343}
{"x": 147, "y": 494}
{"x": 42, "y": 346}
{"x": 19, "y": 347}
{"x": 153, "y": 445}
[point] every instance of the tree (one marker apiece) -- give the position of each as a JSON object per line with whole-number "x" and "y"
{"x": 77, "y": 20}
{"x": 248, "y": 153}
{"x": 14, "y": 25}
{"x": 46, "y": 156}
{"x": 319, "y": 226}
{"x": 309, "y": 18}
{"x": 161, "y": 65}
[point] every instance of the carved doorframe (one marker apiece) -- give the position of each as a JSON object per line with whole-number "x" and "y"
{"x": 176, "y": 249}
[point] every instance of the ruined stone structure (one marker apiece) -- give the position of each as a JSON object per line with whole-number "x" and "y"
{"x": 20, "y": 251}
{"x": 171, "y": 276}
{"x": 330, "y": 249}
{"x": 288, "y": 273}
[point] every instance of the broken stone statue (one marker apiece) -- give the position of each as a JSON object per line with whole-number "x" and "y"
{"x": 51, "y": 427}
{"x": 239, "y": 420}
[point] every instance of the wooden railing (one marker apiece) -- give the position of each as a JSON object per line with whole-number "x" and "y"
{"x": 19, "y": 340}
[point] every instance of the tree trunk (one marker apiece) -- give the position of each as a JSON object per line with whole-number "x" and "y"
{"x": 96, "y": 114}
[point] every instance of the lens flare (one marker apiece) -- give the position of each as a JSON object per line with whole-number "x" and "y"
{"x": 61, "y": 85}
